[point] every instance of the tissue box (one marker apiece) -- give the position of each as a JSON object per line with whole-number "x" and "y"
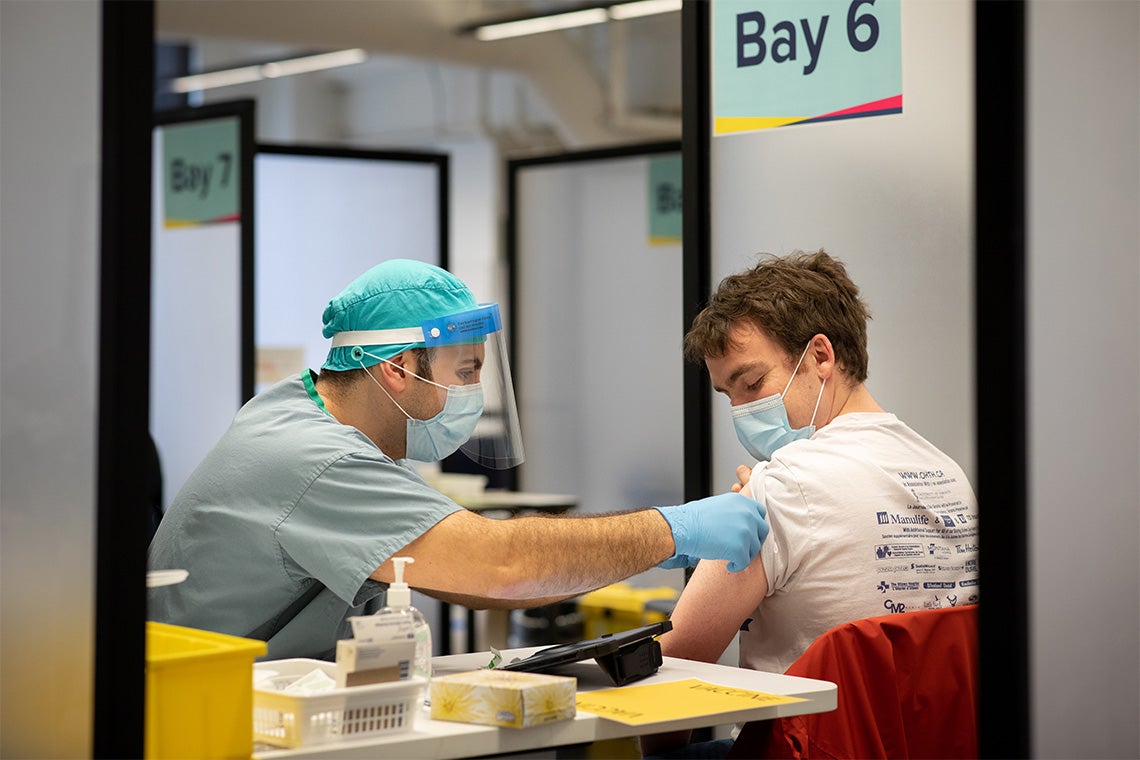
{"x": 503, "y": 698}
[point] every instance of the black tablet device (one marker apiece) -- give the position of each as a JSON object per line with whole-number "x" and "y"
{"x": 625, "y": 656}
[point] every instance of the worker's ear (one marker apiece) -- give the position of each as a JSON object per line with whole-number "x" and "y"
{"x": 392, "y": 372}
{"x": 821, "y": 350}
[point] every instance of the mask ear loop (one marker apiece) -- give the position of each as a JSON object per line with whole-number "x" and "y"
{"x": 363, "y": 353}
{"x": 358, "y": 354}
{"x": 793, "y": 377}
{"x": 817, "y": 400}
{"x": 794, "y": 371}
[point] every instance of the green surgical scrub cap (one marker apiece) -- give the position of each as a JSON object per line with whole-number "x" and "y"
{"x": 399, "y": 293}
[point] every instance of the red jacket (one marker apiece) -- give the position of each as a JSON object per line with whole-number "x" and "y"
{"x": 907, "y": 689}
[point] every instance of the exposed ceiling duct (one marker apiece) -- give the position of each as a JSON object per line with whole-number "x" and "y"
{"x": 615, "y": 83}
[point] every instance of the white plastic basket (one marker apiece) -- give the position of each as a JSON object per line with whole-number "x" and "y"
{"x": 357, "y": 712}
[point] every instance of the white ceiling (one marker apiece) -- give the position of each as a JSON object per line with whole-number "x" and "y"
{"x": 609, "y": 84}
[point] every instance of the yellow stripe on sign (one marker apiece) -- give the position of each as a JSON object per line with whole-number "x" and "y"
{"x": 728, "y": 124}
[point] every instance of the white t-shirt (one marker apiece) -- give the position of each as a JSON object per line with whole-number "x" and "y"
{"x": 867, "y": 518}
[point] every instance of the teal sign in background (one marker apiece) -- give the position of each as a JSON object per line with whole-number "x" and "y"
{"x": 200, "y": 172}
{"x": 798, "y": 59}
{"x": 665, "y": 198}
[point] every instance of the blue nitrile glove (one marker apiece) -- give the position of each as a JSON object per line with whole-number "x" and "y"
{"x": 730, "y": 526}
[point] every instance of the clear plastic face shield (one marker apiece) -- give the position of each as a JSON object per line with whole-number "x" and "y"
{"x": 462, "y": 350}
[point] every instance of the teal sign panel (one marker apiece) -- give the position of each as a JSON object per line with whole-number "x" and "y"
{"x": 200, "y": 172}
{"x": 782, "y": 62}
{"x": 666, "y": 198}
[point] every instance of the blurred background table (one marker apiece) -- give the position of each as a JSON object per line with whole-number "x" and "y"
{"x": 517, "y": 502}
{"x": 499, "y": 503}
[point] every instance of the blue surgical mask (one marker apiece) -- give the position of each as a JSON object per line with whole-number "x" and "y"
{"x": 762, "y": 425}
{"x": 442, "y": 435}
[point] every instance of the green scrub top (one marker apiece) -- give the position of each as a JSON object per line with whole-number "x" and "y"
{"x": 282, "y": 523}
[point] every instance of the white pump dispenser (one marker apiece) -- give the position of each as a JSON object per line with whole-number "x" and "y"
{"x": 399, "y": 603}
{"x": 399, "y": 594}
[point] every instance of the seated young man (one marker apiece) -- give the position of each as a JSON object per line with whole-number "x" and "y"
{"x": 867, "y": 516}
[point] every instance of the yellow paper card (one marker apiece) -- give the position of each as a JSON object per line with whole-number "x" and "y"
{"x": 653, "y": 703}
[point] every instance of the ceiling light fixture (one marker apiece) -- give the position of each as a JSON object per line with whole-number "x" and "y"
{"x": 314, "y": 63}
{"x": 210, "y": 79}
{"x": 640, "y": 8}
{"x": 599, "y": 14}
{"x": 272, "y": 70}
{"x": 539, "y": 24}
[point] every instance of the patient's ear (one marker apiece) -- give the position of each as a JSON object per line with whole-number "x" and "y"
{"x": 823, "y": 353}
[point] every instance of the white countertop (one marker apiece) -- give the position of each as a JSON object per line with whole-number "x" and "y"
{"x": 441, "y": 739}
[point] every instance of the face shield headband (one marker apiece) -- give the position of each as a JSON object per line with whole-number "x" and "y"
{"x": 496, "y": 442}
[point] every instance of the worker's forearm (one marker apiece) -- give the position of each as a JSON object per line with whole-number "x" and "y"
{"x": 547, "y": 556}
{"x": 486, "y": 603}
{"x": 525, "y": 559}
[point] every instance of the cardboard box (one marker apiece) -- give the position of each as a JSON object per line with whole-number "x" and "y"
{"x": 503, "y": 698}
{"x": 361, "y": 663}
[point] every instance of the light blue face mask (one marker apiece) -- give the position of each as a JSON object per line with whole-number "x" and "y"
{"x": 762, "y": 426}
{"x": 442, "y": 435}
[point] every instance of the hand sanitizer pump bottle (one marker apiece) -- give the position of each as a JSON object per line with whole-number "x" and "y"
{"x": 399, "y": 602}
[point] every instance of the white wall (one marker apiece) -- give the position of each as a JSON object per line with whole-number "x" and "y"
{"x": 49, "y": 280}
{"x": 1084, "y": 377}
{"x": 892, "y": 197}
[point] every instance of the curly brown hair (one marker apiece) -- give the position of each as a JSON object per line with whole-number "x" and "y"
{"x": 790, "y": 299}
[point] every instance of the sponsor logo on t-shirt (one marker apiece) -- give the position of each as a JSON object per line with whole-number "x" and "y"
{"x": 887, "y": 551}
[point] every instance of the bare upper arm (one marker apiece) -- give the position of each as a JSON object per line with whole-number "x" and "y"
{"x": 711, "y": 609}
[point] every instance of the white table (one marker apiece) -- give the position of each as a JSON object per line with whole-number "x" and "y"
{"x": 442, "y": 739}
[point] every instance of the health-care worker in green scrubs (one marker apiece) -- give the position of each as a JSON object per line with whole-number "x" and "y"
{"x": 289, "y": 524}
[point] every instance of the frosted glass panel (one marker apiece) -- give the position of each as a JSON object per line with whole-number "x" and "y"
{"x": 598, "y": 327}
{"x": 323, "y": 220}
{"x": 195, "y": 375}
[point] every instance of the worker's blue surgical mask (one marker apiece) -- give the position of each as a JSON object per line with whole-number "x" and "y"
{"x": 762, "y": 425}
{"x": 442, "y": 435}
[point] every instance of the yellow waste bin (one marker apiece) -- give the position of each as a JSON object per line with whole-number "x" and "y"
{"x": 199, "y": 693}
{"x": 620, "y": 607}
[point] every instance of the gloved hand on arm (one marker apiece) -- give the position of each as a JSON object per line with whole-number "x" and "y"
{"x": 729, "y": 526}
